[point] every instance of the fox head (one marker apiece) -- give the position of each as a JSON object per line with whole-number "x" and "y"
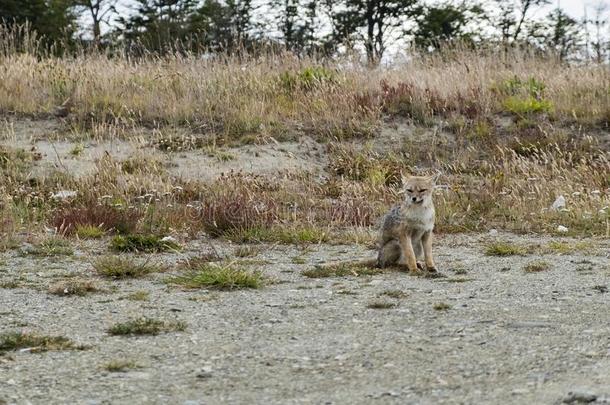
{"x": 418, "y": 189}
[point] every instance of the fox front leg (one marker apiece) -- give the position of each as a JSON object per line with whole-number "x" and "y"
{"x": 407, "y": 255}
{"x": 427, "y": 242}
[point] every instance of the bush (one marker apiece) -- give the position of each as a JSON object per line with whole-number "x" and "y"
{"x": 104, "y": 217}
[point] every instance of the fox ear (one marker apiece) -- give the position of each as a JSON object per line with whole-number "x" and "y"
{"x": 404, "y": 178}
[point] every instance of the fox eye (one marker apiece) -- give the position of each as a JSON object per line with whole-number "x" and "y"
{"x": 423, "y": 190}
{"x": 409, "y": 190}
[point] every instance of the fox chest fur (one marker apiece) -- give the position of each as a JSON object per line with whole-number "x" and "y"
{"x": 413, "y": 220}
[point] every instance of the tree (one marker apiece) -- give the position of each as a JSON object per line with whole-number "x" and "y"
{"x": 600, "y": 44}
{"x": 511, "y": 19}
{"x": 224, "y": 26}
{"x": 564, "y": 33}
{"x": 99, "y": 11}
{"x": 297, "y": 23}
{"x": 53, "y": 20}
{"x": 159, "y": 24}
{"x": 370, "y": 22}
{"x": 445, "y": 23}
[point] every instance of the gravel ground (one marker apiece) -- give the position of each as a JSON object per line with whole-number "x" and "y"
{"x": 505, "y": 335}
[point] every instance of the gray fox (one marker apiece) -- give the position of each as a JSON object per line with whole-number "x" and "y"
{"x": 406, "y": 231}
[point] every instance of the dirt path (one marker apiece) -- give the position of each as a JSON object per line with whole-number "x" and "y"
{"x": 487, "y": 333}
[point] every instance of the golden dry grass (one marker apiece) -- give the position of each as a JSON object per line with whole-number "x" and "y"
{"x": 495, "y": 174}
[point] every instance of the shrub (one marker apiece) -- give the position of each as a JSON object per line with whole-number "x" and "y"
{"x": 123, "y": 267}
{"x": 143, "y": 243}
{"x": 104, "y": 217}
{"x": 221, "y": 277}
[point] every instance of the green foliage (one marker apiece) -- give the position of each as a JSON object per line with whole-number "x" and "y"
{"x": 123, "y": 267}
{"x": 525, "y": 106}
{"x": 504, "y": 249}
{"x": 146, "y": 326}
{"x": 308, "y": 78}
{"x": 524, "y": 97}
{"x": 89, "y": 231}
{"x": 36, "y": 343}
{"x": 51, "y": 247}
{"x": 221, "y": 277}
{"x": 142, "y": 243}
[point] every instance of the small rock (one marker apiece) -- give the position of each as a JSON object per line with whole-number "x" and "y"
{"x": 579, "y": 397}
{"x": 562, "y": 229}
{"x": 206, "y": 372}
{"x": 493, "y": 231}
{"x": 559, "y": 203}
{"x": 168, "y": 239}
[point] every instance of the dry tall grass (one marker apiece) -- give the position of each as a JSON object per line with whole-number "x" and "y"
{"x": 498, "y": 174}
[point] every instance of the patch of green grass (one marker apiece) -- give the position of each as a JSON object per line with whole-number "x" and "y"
{"x": 380, "y": 304}
{"x": 121, "y": 366}
{"x": 504, "y": 249}
{"x": 73, "y": 287}
{"x": 35, "y": 343}
{"x": 51, "y": 247}
{"x": 124, "y": 267}
{"x": 143, "y": 243}
{"x": 77, "y": 149}
{"x": 139, "y": 296}
{"x": 303, "y": 235}
{"x": 342, "y": 270}
{"x": 527, "y": 105}
{"x": 146, "y": 326}
{"x": 394, "y": 294}
{"x": 441, "y": 306}
{"x": 536, "y": 266}
{"x": 221, "y": 277}
{"x": 89, "y": 232}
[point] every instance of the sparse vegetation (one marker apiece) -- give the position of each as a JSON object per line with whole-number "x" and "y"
{"x": 380, "y": 304}
{"x": 143, "y": 243}
{"x": 504, "y": 249}
{"x": 221, "y": 276}
{"x": 342, "y": 270}
{"x": 536, "y": 266}
{"x": 139, "y": 296}
{"x": 124, "y": 267}
{"x": 73, "y": 286}
{"x": 34, "y": 342}
{"x": 146, "y": 326}
{"x": 441, "y": 306}
{"x": 394, "y": 294}
{"x": 89, "y": 232}
{"x": 51, "y": 247}
{"x": 121, "y": 366}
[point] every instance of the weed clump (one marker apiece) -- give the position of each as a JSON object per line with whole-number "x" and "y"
{"x": 504, "y": 249}
{"x": 220, "y": 277}
{"x": 33, "y": 342}
{"x": 143, "y": 243}
{"x": 121, "y": 366}
{"x": 51, "y": 247}
{"x": 146, "y": 326}
{"x": 73, "y": 287}
{"x": 93, "y": 220}
{"x": 124, "y": 267}
{"x": 342, "y": 270}
{"x": 536, "y": 266}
